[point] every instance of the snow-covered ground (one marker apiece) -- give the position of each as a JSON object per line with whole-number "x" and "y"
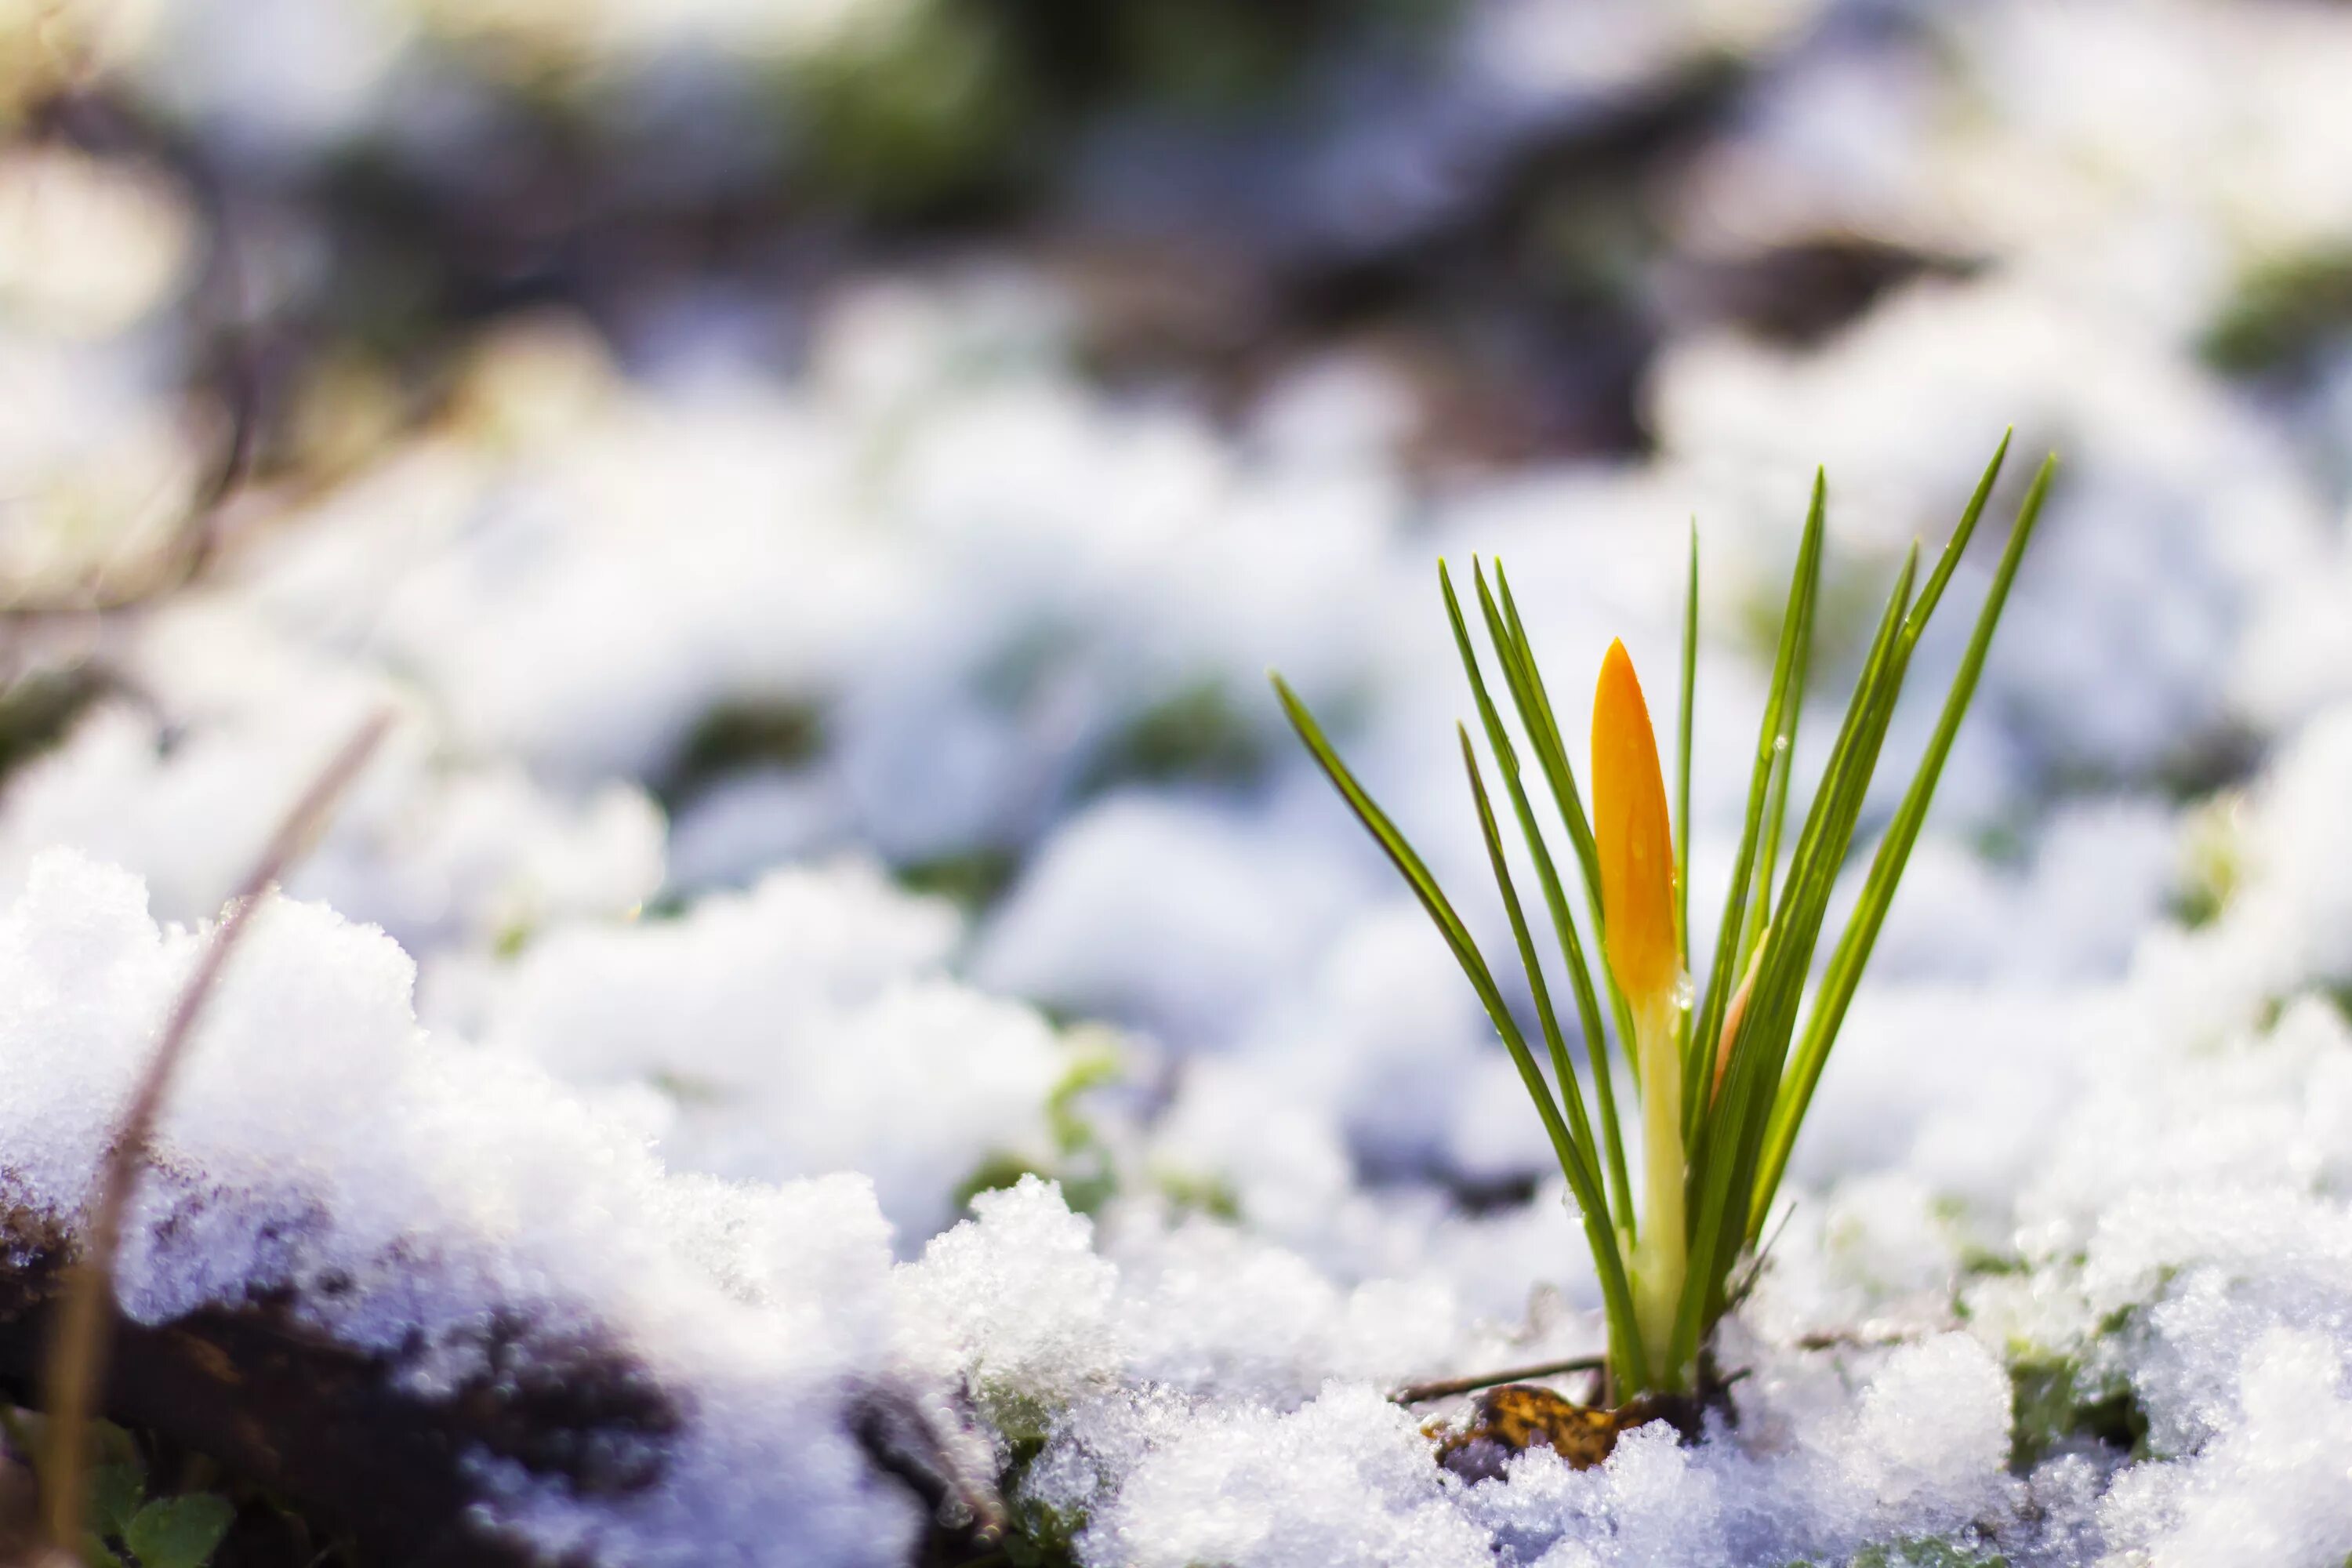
{"x": 839, "y": 908}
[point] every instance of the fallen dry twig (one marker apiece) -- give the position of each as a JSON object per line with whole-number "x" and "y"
{"x": 1420, "y": 1393}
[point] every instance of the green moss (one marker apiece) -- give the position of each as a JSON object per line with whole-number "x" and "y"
{"x": 1095, "y": 1062}
{"x": 1040, "y": 1537}
{"x": 2283, "y": 312}
{"x": 1233, "y": 56}
{"x": 1199, "y": 733}
{"x": 1189, "y": 1193}
{"x": 998, "y": 1171}
{"x": 1929, "y": 1552}
{"x": 37, "y": 712}
{"x": 131, "y": 1521}
{"x": 2213, "y": 861}
{"x": 1204, "y": 53}
{"x": 928, "y": 111}
{"x": 777, "y": 732}
{"x": 1976, "y": 1262}
{"x": 1036, "y": 1536}
{"x": 1082, "y": 1162}
{"x": 688, "y": 1090}
{"x": 1208, "y": 59}
{"x": 2001, "y": 843}
{"x": 2052, "y": 1402}
{"x": 971, "y": 879}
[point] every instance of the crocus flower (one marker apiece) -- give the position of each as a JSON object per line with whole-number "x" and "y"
{"x": 1663, "y": 1285}
{"x": 1636, "y": 847}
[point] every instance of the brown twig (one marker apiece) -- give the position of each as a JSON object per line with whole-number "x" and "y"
{"x": 76, "y": 1361}
{"x": 1855, "y": 1340}
{"x": 1420, "y": 1392}
{"x": 938, "y": 1457}
{"x": 1753, "y": 1275}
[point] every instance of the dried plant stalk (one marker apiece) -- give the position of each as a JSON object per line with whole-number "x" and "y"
{"x": 76, "y": 1365}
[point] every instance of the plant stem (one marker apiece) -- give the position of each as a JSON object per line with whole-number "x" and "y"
{"x": 1663, "y": 1252}
{"x": 73, "y": 1377}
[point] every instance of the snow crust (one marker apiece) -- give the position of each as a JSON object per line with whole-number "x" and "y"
{"x": 410, "y": 1191}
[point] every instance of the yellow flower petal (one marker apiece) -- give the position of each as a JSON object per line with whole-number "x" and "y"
{"x": 1632, "y": 832}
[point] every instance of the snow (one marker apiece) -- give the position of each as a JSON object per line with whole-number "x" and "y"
{"x": 426, "y": 850}
{"x": 803, "y": 1028}
{"x": 1344, "y": 1479}
{"x": 1167, "y": 1141}
{"x": 317, "y": 1135}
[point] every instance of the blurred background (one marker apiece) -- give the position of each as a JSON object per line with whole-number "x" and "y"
{"x": 899, "y": 434}
{"x": 1508, "y": 206}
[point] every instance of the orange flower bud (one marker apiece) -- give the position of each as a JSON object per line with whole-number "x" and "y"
{"x": 1732, "y": 1015}
{"x": 1633, "y": 838}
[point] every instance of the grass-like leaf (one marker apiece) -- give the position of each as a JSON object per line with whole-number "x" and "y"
{"x": 1776, "y": 793}
{"x": 1607, "y": 1259}
{"x": 1684, "y": 709}
{"x": 1534, "y": 708}
{"x": 1738, "y": 1130}
{"x": 1723, "y": 972}
{"x": 1583, "y": 1176}
{"x": 1845, "y": 966}
{"x": 1553, "y": 755}
{"x": 1507, "y": 763}
{"x": 1732, "y": 1129}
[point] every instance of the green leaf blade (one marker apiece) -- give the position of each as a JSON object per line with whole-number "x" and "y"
{"x": 1507, "y": 763}
{"x": 1577, "y": 1159}
{"x": 116, "y": 1492}
{"x": 1844, "y": 974}
{"x": 1683, "y": 712}
{"x": 1737, "y": 1134}
{"x": 1624, "y": 1336}
{"x": 1804, "y": 587}
{"x": 1543, "y": 733}
{"x": 1732, "y": 1136}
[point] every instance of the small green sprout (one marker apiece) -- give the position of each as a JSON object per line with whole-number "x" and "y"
{"x": 1725, "y": 1074}
{"x": 123, "y": 1525}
